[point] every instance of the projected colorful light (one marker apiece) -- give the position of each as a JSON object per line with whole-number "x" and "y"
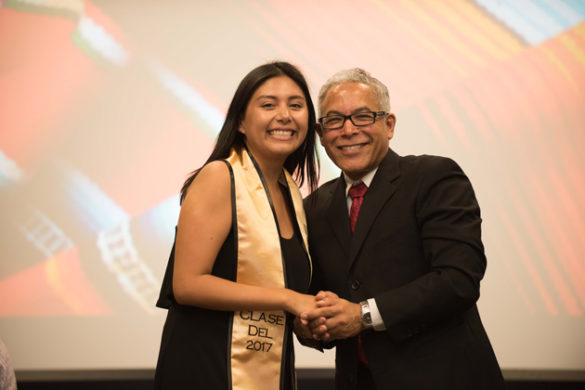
{"x": 106, "y": 107}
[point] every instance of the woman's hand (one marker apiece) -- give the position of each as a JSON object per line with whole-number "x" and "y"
{"x": 302, "y": 331}
{"x": 300, "y": 303}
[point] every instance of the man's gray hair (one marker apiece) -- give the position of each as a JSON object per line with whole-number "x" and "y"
{"x": 356, "y": 75}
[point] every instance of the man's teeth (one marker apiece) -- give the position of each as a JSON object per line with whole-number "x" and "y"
{"x": 351, "y": 147}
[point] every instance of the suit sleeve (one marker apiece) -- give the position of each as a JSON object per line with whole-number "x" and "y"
{"x": 448, "y": 219}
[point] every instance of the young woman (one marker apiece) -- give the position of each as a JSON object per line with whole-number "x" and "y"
{"x": 240, "y": 266}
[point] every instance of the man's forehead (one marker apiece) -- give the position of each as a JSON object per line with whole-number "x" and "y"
{"x": 351, "y": 94}
{"x": 350, "y": 85}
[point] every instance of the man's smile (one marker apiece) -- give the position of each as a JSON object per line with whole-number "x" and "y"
{"x": 352, "y": 147}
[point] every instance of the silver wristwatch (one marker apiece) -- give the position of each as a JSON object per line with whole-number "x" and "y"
{"x": 366, "y": 315}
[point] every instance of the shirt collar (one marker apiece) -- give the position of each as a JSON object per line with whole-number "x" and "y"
{"x": 367, "y": 179}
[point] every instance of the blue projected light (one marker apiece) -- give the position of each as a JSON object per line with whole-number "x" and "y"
{"x": 536, "y": 21}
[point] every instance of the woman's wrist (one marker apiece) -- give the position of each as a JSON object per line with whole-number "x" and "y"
{"x": 288, "y": 300}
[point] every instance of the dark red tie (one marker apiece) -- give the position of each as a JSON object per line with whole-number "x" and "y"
{"x": 357, "y": 192}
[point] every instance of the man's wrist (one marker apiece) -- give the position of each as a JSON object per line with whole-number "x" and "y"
{"x": 365, "y": 314}
{"x": 377, "y": 320}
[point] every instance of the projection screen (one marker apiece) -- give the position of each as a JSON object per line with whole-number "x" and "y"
{"x": 106, "y": 107}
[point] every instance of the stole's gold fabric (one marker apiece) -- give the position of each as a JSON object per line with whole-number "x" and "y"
{"x": 258, "y": 337}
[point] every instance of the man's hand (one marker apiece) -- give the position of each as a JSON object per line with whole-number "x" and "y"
{"x": 335, "y": 318}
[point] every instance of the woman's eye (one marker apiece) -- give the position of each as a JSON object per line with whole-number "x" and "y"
{"x": 297, "y": 106}
{"x": 268, "y": 105}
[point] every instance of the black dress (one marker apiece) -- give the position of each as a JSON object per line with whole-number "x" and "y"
{"x": 194, "y": 352}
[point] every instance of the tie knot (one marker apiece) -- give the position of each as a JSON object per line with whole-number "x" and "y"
{"x": 357, "y": 190}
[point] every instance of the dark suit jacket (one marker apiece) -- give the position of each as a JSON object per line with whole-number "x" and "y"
{"x": 417, "y": 250}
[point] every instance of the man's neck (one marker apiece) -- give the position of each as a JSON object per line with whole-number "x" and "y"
{"x": 367, "y": 178}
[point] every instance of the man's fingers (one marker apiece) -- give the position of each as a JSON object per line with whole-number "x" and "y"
{"x": 335, "y": 323}
{"x": 320, "y": 312}
{"x": 321, "y": 295}
{"x": 323, "y": 302}
{"x": 317, "y": 322}
{"x": 325, "y": 294}
{"x": 320, "y": 330}
{"x": 324, "y": 337}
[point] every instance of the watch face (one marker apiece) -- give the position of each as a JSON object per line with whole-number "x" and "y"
{"x": 367, "y": 318}
{"x": 366, "y": 315}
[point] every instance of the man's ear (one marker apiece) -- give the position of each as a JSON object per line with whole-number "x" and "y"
{"x": 318, "y": 129}
{"x": 390, "y": 123}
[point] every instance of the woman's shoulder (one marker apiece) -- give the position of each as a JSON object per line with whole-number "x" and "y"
{"x": 214, "y": 168}
{"x": 212, "y": 183}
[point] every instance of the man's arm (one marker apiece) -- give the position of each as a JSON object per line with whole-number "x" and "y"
{"x": 448, "y": 219}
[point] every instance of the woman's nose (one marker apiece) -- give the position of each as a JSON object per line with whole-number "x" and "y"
{"x": 283, "y": 113}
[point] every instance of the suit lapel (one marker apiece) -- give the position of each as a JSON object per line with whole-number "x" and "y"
{"x": 337, "y": 215}
{"x": 380, "y": 191}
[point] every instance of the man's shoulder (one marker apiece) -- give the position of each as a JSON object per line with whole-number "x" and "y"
{"x": 426, "y": 160}
{"x": 324, "y": 189}
{"x": 427, "y": 164}
{"x": 321, "y": 195}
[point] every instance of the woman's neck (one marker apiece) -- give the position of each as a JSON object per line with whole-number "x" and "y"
{"x": 271, "y": 174}
{"x": 271, "y": 168}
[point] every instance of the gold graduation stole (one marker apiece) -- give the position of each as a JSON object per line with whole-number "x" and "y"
{"x": 257, "y": 339}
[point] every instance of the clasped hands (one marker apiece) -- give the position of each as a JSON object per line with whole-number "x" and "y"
{"x": 334, "y": 318}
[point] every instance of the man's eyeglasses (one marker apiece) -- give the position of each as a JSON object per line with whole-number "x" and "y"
{"x": 335, "y": 122}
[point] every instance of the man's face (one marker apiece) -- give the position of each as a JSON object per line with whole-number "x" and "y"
{"x": 355, "y": 150}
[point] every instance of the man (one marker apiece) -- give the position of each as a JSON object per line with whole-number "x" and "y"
{"x": 403, "y": 269}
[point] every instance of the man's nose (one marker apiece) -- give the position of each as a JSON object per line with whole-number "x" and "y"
{"x": 349, "y": 128}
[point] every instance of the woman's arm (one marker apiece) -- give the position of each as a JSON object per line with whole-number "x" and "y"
{"x": 204, "y": 224}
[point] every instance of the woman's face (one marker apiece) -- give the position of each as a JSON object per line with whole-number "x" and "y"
{"x": 276, "y": 120}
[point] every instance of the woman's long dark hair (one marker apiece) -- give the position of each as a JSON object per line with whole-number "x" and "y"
{"x": 302, "y": 161}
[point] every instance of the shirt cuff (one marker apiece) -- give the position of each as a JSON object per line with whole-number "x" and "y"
{"x": 377, "y": 320}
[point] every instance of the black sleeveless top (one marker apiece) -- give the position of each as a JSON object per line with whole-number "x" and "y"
{"x": 194, "y": 352}
{"x": 298, "y": 279}
{"x": 296, "y": 263}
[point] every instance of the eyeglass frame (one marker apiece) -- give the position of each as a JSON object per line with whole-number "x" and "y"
{"x": 377, "y": 114}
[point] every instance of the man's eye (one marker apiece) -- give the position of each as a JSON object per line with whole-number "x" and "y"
{"x": 333, "y": 120}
